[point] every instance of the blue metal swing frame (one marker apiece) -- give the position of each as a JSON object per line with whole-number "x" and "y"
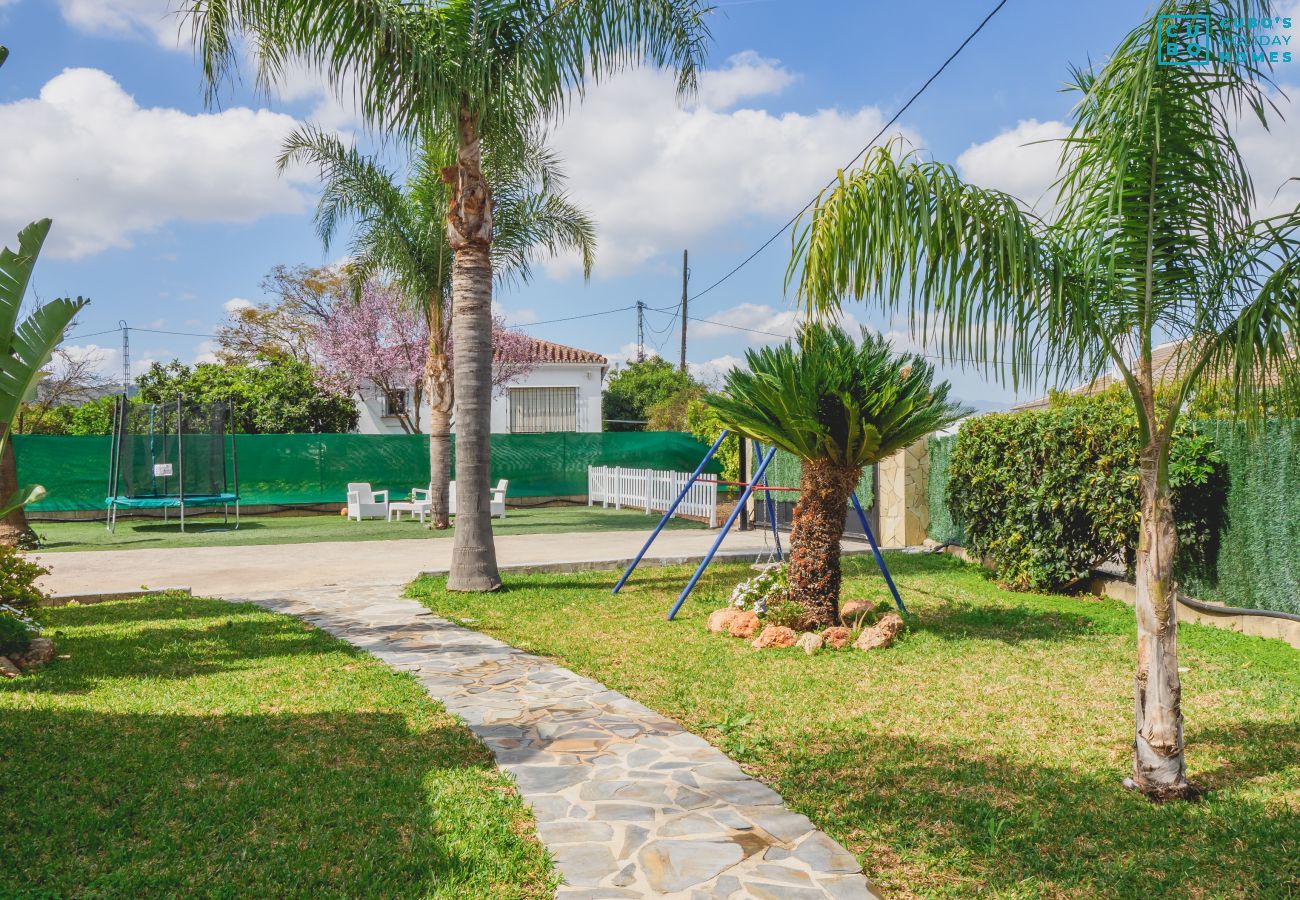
{"x": 759, "y": 478}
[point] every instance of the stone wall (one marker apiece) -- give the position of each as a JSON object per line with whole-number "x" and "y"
{"x": 904, "y": 510}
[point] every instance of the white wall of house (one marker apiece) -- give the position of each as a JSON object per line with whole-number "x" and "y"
{"x": 552, "y": 397}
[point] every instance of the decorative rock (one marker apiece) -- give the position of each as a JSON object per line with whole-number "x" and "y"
{"x": 882, "y": 634}
{"x": 720, "y": 619}
{"x": 837, "y": 637}
{"x": 38, "y": 654}
{"x": 8, "y": 669}
{"x": 853, "y": 612}
{"x": 774, "y": 636}
{"x": 810, "y": 643}
{"x": 744, "y": 625}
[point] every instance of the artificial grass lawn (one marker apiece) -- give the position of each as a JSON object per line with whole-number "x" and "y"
{"x": 199, "y": 748}
{"x": 982, "y": 754}
{"x": 134, "y": 534}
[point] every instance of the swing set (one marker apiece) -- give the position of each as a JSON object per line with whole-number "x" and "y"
{"x": 759, "y": 482}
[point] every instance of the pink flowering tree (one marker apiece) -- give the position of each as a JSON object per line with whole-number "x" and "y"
{"x": 379, "y": 342}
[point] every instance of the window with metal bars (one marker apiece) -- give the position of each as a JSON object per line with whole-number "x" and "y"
{"x": 534, "y": 410}
{"x": 395, "y": 403}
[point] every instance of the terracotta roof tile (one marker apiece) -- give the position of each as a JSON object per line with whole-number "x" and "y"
{"x": 548, "y": 352}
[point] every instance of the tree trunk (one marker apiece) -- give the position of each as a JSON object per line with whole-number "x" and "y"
{"x": 14, "y": 531}
{"x": 440, "y": 390}
{"x": 1158, "y": 765}
{"x": 817, "y": 527}
{"x": 469, "y": 233}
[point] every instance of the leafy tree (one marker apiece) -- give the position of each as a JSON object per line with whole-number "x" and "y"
{"x": 1153, "y": 239}
{"x": 92, "y": 417}
{"x": 284, "y": 327}
{"x": 669, "y": 414}
{"x": 494, "y": 74}
{"x": 275, "y": 397}
{"x": 838, "y": 407}
{"x": 637, "y": 387}
{"x": 398, "y": 232}
{"x": 703, "y": 421}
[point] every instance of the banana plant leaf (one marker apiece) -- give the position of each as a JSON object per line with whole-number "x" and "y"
{"x": 28, "y": 493}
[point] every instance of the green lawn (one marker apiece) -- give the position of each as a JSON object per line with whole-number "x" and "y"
{"x": 982, "y": 754}
{"x": 198, "y": 748}
{"x": 210, "y": 532}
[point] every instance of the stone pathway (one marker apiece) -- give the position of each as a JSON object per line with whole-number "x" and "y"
{"x": 628, "y": 803}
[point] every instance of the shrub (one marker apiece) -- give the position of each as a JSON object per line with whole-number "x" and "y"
{"x": 18, "y": 576}
{"x": 943, "y": 527}
{"x": 1049, "y": 494}
{"x": 703, "y": 422}
{"x": 16, "y": 630}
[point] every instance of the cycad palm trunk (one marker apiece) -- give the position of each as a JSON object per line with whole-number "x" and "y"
{"x": 438, "y": 381}
{"x": 1159, "y": 769}
{"x": 469, "y": 233}
{"x": 815, "y": 533}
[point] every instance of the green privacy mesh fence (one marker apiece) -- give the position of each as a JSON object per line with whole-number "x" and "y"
{"x": 943, "y": 528}
{"x": 785, "y": 469}
{"x": 1259, "y": 545}
{"x": 315, "y": 468}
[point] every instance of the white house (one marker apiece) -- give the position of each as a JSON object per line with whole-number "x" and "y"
{"x": 561, "y": 393}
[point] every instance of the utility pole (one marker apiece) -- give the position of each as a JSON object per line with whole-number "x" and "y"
{"x": 126, "y": 355}
{"x": 686, "y": 279}
{"x": 640, "y": 331}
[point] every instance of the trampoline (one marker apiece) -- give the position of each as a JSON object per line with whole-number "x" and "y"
{"x": 172, "y": 456}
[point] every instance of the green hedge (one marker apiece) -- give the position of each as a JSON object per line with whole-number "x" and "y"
{"x": 1258, "y": 553}
{"x": 1047, "y": 495}
{"x": 943, "y": 528}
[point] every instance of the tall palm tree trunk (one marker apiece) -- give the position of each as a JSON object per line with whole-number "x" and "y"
{"x": 14, "y": 530}
{"x": 469, "y": 233}
{"x": 815, "y": 533}
{"x": 1159, "y": 769}
{"x": 441, "y": 392}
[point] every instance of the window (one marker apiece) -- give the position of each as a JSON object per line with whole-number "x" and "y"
{"x": 539, "y": 409}
{"x": 395, "y": 403}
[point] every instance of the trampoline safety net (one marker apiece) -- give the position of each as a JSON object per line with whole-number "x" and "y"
{"x": 168, "y": 453}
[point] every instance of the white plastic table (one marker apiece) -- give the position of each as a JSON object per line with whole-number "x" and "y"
{"x": 414, "y": 507}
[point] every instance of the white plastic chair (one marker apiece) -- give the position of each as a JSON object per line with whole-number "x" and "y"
{"x": 366, "y": 503}
{"x": 497, "y": 506}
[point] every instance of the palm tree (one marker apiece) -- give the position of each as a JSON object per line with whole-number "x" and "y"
{"x": 1153, "y": 240}
{"x": 838, "y": 407}
{"x": 491, "y": 71}
{"x": 400, "y": 233}
{"x": 27, "y": 348}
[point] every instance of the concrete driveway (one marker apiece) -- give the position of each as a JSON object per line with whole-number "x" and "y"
{"x": 223, "y": 571}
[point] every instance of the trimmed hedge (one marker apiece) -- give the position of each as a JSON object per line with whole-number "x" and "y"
{"x": 1049, "y": 494}
{"x": 943, "y": 528}
{"x": 1258, "y": 552}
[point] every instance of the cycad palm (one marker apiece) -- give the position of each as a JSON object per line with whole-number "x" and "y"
{"x": 1154, "y": 241}
{"x": 399, "y": 233}
{"x": 490, "y": 71}
{"x": 838, "y": 407}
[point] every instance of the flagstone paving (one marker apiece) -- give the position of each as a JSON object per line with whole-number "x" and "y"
{"x": 628, "y": 802}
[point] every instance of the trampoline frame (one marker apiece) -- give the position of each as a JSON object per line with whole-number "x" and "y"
{"x": 177, "y": 501}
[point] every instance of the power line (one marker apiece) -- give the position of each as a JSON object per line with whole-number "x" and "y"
{"x": 902, "y": 109}
{"x": 947, "y": 360}
{"x": 591, "y": 315}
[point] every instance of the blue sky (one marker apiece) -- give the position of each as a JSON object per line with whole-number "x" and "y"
{"x": 167, "y": 210}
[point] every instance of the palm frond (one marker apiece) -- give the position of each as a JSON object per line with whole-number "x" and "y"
{"x": 823, "y": 397}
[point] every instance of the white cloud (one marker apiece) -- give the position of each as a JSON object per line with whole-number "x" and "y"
{"x": 106, "y": 169}
{"x": 205, "y": 352}
{"x": 711, "y": 372}
{"x": 626, "y": 354}
{"x": 152, "y": 18}
{"x": 236, "y": 304}
{"x": 657, "y": 176}
{"x": 515, "y": 317}
{"x": 1021, "y": 161}
{"x": 759, "y": 323}
{"x": 1011, "y": 162}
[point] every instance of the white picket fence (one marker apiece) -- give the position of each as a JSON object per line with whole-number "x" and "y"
{"x": 652, "y": 490}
